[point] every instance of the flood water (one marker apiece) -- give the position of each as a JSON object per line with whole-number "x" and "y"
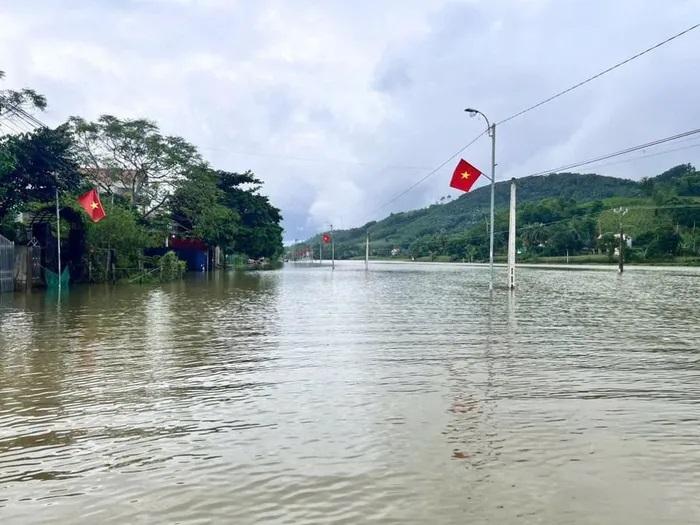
{"x": 406, "y": 394}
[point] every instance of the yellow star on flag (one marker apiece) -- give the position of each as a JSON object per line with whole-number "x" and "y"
{"x": 465, "y": 175}
{"x": 94, "y": 205}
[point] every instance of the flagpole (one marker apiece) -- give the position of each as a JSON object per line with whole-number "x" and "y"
{"x": 58, "y": 241}
{"x": 332, "y": 249}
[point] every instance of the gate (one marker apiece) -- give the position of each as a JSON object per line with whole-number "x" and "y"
{"x": 7, "y": 265}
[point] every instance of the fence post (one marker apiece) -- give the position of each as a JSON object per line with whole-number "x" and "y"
{"x": 29, "y": 272}
{"x": 7, "y": 265}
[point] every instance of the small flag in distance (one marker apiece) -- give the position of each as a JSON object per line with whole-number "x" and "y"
{"x": 326, "y": 238}
{"x": 90, "y": 202}
{"x": 464, "y": 176}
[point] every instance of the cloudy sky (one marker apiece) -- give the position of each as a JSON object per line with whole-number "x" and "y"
{"x": 340, "y": 105}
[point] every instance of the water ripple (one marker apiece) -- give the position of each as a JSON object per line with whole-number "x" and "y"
{"x": 408, "y": 394}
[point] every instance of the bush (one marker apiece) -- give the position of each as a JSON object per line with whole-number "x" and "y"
{"x": 171, "y": 268}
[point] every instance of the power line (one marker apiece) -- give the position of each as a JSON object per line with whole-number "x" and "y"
{"x": 634, "y": 148}
{"x": 664, "y": 152}
{"x": 13, "y": 127}
{"x": 310, "y": 159}
{"x": 534, "y": 106}
{"x": 429, "y": 174}
{"x": 23, "y": 116}
{"x": 616, "y": 154}
{"x": 544, "y": 172}
{"x": 597, "y": 75}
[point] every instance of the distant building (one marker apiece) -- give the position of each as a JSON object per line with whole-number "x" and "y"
{"x": 117, "y": 181}
{"x": 395, "y": 252}
{"x": 616, "y": 236}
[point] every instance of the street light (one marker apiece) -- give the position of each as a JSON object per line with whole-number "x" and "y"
{"x": 492, "y": 133}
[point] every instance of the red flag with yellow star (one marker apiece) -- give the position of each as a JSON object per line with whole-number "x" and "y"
{"x": 90, "y": 202}
{"x": 465, "y": 176}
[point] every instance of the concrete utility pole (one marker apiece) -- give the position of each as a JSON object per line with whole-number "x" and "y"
{"x": 511, "y": 238}
{"x": 621, "y": 259}
{"x": 492, "y": 133}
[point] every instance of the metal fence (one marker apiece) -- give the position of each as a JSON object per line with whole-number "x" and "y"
{"x": 7, "y": 265}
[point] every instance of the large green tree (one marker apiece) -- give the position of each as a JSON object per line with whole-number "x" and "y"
{"x": 226, "y": 209}
{"x": 13, "y": 103}
{"x": 198, "y": 210}
{"x": 33, "y": 166}
{"x": 260, "y": 233}
{"x": 131, "y": 157}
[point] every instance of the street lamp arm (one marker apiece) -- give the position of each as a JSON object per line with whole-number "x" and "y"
{"x": 473, "y": 111}
{"x": 492, "y": 133}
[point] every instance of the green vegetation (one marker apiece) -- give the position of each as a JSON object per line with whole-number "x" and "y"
{"x": 558, "y": 215}
{"x": 171, "y": 267}
{"x": 152, "y": 186}
{"x": 33, "y": 166}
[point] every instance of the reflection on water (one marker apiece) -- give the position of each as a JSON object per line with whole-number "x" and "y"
{"x": 405, "y": 394}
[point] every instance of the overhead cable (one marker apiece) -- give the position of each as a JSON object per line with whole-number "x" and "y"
{"x": 616, "y": 153}
{"x": 597, "y": 75}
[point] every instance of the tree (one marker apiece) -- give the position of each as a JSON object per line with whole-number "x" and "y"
{"x": 225, "y": 209}
{"x": 563, "y": 239}
{"x": 260, "y": 233}
{"x": 122, "y": 232}
{"x": 665, "y": 243}
{"x": 198, "y": 210}
{"x": 647, "y": 184}
{"x": 132, "y": 157}
{"x": 13, "y": 102}
{"x": 533, "y": 235}
{"x": 607, "y": 243}
{"x": 34, "y": 165}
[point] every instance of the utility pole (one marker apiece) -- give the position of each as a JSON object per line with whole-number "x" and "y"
{"x": 621, "y": 263}
{"x": 621, "y": 259}
{"x": 511, "y": 238}
{"x": 493, "y": 191}
{"x": 492, "y": 133}
{"x": 320, "y": 252}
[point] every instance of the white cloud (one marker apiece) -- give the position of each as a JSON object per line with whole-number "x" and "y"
{"x": 263, "y": 85}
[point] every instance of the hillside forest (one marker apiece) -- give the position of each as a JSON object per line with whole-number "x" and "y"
{"x": 560, "y": 215}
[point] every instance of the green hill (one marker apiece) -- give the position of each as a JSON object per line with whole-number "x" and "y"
{"x": 558, "y": 214}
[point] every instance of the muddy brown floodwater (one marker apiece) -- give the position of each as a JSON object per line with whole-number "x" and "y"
{"x": 406, "y": 394}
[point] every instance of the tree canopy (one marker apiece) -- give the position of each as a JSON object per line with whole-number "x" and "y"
{"x": 23, "y": 99}
{"x": 152, "y": 184}
{"x": 33, "y": 165}
{"x": 225, "y": 209}
{"x": 131, "y": 157}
